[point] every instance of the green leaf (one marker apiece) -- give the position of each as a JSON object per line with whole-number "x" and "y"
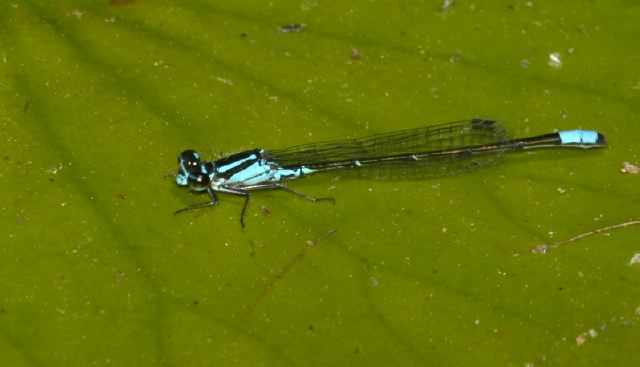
{"x": 97, "y": 98}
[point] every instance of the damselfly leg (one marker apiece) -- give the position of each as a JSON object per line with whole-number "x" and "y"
{"x": 214, "y": 201}
{"x": 287, "y": 189}
{"x": 246, "y": 192}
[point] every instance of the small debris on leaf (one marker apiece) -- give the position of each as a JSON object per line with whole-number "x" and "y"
{"x": 629, "y": 168}
{"x": 290, "y": 28}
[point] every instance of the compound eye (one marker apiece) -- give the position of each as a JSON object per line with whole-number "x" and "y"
{"x": 198, "y": 181}
{"x": 190, "y": 159}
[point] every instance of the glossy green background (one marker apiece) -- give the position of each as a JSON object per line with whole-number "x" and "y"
{"x": 97, "y": 99}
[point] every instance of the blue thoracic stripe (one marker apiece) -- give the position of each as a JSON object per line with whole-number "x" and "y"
{"x": 289, "y": 173}
{"x": 578, "y": 137}
{"x": 251, "y": 174}
{"x": 236, "y": 163}
{"x": 261, "y": 171}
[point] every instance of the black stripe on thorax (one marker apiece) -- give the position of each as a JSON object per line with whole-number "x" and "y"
{"x": 247, "y": 158}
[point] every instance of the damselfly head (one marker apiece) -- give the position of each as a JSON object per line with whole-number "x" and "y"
{"x": 189, "y": 158}
{"x": 193, "y": 173}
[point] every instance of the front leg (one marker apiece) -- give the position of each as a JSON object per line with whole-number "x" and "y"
{"x": 214, "y": 201}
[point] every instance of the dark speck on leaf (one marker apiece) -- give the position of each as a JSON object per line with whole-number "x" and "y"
{"x": 290, "y": 28}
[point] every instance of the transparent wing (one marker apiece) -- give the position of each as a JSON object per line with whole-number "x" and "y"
{"x": 420, "y": 140}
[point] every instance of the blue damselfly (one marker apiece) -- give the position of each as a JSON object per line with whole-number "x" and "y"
{"x": 430, "y": 151}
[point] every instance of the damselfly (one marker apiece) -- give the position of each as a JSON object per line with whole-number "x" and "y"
{"x": 430, "y": 151}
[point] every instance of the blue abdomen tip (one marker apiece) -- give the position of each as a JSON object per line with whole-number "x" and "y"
{"x": 585, "y": 137}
